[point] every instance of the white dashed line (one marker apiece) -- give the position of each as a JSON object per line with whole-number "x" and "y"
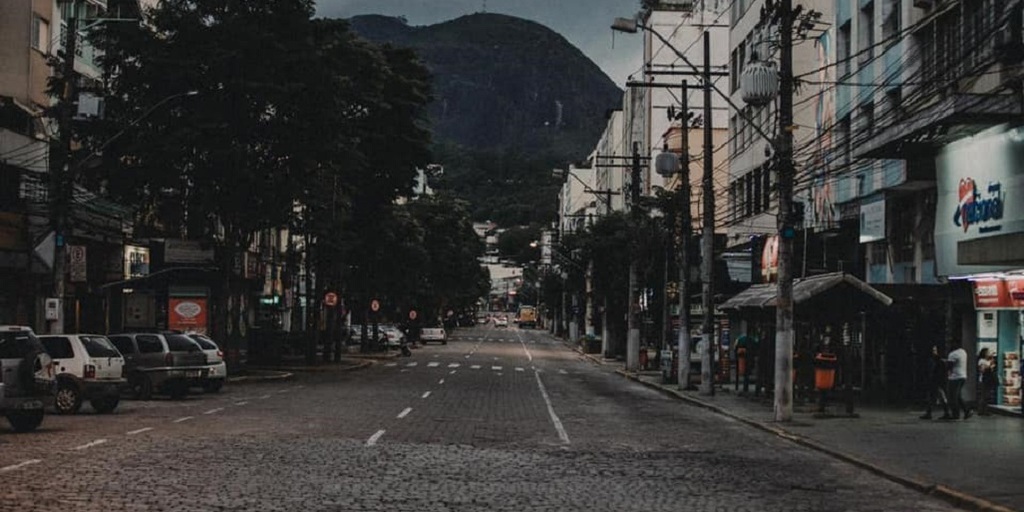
{"x": 452, "y": 372}
{"x": 433, "y": 364}
{"x": 528, "y": 354}
{"x": 425, "y": 394}
{"x": 264, "y": 397}
{"x": 475, "y": 367}
{"x": 562, "y": 434}
{"x": 19, "y": 465}
{"x": 391, "y": 365}
{"x": 405, "y": 412}
{"x": 563, "y": 372}
{"x": 139, "y": 431}
{"x": 241, "y": 403}
{"x": 410, "y": 365}
{"x": 496, "y": 368}
{"x": 440, "y": 381}
{"x": 467, "y": 356}
{"x": 182, "y": 420}
{"x": 212, "y": 411}
{"x": 90, "y": 445}
{"x": 518, "y": 369}
{"x": 374, "y": 438}
{"x": 453, "y": 365}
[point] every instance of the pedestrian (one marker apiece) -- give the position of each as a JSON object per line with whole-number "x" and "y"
{"x": 987, "y": 380}
{"x": 745, "y": 347}
{"x": 936, "y": 381}
{"x": 957, "y": 361}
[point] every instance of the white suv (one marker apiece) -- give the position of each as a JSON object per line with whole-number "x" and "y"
{"x": 88, "y": 368}
{"x": 26, "y": 378}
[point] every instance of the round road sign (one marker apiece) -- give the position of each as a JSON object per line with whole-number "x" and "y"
{"x": 375, "y": 305}
{"x": 412, "y": 314}
{"x": 331, "y": 299}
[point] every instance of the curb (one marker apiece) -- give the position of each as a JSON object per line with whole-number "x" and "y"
{"x": 320, "y": 369}
{"x": 953, "y": 496}
{"x": 245, "y": 379}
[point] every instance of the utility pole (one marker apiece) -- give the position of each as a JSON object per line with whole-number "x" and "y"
{"x": 783, "y": 406}
{"x": 62, "y": 181}
{"x": 707, "y": 374}
{"x": 683, "y": 366}
{"x": 633, "y": 338}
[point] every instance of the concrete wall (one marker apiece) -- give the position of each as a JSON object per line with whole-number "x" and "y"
{"x": 23, "y": 69}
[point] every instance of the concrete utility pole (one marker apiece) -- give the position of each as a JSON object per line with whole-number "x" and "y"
{"x": 683, "y": 366}
{"x": 783, "y": 406}
{"x": 707, "y": 328}
{"x": 62, "y": 181}
{"x": 633, "y": 338}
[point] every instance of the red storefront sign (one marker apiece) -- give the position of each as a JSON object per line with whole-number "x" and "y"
{"x": 997, "y": 293}
{"x": 187, "y": 315}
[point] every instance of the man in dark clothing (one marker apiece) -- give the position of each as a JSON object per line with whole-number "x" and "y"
{"x": 936, "y": 375}
{"x": 746, "y": 347}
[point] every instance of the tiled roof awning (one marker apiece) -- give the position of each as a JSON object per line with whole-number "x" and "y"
{"x": 763, "y": 296}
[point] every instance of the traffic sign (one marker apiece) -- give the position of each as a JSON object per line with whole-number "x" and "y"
{"x": 412, "y": 314}
{"x": 331, "y": 299}
{"x": 375, "y": 305}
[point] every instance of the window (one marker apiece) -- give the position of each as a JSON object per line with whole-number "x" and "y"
{"x": 40, "y": 34}
{"x": 181, "y": 343}
{"x": 748, "y": 202}
{"x": 756, "y": 199}
{"x": 123, "y": 344}
{"x": 59, "y": 347}
{"x": 866, "y": 34}
{"x": 149, "y": 344}
{"x": 866, "y": 118}
{"x": 766, "y": 189}
{"x": 98, "y": 346}
{"x": 843, "y": 51}
{"x": 879, "y": 253}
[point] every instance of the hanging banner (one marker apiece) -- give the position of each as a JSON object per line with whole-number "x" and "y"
{"x": 187, "y": 315}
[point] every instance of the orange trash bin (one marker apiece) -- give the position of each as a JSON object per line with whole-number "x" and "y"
{"x": 824, "y": 371}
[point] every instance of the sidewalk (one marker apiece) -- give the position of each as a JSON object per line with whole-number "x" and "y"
{"x": 977, "y": 464}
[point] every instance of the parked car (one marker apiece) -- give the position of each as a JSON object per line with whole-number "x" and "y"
{"x": 428, "y": 334}
{"x": 215, "y": 358}
{"x": 501, "y": 321}
{"x": 161, "y": 363}
{"x": 26, "y": 378}
{"x": 395, "y": 337}
{"x": 88, "y": 367}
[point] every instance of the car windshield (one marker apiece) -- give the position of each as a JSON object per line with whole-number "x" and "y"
{"x": 99, "y": 346}
{"x": 181, "y": 343}
{"x": 204, "y": 342}
{"x": 18, "y": 344}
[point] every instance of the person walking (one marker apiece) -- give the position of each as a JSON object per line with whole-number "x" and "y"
{"x": 957, "y": 378}
{"x": 936, "y": 381}
{"x": 987, "y": 380}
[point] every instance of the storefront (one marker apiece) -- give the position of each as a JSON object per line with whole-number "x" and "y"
{"x": 979, "y": 237}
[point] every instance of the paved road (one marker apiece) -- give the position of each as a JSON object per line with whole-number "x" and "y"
{"x": 498, "y": 419}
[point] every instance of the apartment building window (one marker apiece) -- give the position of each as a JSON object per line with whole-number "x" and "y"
{"x": 40, "y": 34}
{"x": 732, "y": 201}
{"x": 879, "y": 254}
{"x": 892, "y": 18}
{"x": 904, "y": 215}
{"x": 866, "y": 118}
{"x": 748, "y": 203}
{"x": 843, "y": 51}
{"x": 866, "y": 33}
{"x": 766, "y": 188}
{"x": 843, "y": 140}
{"x": 758, "y": 183}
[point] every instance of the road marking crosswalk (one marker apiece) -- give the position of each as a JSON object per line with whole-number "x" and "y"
{"x": 475, "y": 367}
{"x": 410, "y": 365}
{"x": 453, "y": 365}
{"x": 433, "y": 364}
{"x": 496, "y": 368}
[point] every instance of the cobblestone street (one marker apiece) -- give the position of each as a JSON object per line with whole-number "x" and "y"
{"x": 495, "y": 420}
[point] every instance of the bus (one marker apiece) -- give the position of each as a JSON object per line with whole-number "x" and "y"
{"x": 527, "y": 317}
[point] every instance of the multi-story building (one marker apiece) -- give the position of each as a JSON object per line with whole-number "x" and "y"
{"x": 577, "y": 201}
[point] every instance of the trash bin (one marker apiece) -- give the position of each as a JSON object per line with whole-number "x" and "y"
{"x": 824, "y": 371}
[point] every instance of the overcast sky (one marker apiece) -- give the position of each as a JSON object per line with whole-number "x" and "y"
{"x": 583, "y": 22}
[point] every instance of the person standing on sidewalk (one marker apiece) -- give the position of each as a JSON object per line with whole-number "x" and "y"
{"x": 957, "y": 377}
{"x": 936, "y": 375}
{"x": 987, "y": 380}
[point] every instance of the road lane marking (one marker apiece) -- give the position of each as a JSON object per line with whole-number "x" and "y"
{"x": 425, "y": 394}
{"x": 440, "y": 381}
{"x": 90, "y": 445}
{"x": 518, "y": 369}
{"x": 264, "y": 397}
{"x": 433, "y": 364}
{"x": 405, "y": 412}
{"x": 528, "y": 354}
{"x": 452, "y": 372}
{"x": 19, "y": 465}
{"x": 563, "y": 372}
{"x": 241, "y": 403}
{"x": 184, "y": 419}
{"x": 475, "y": 367}
{"x": 551, "y": 411}
{"x": 390, "y": 365}
{"x": 374, "y": 438}
{"x": 467, "y": 356}
{"x": 139, "y": 431}
{"x": 212, "y": 411}
{"x": 496, "y": 368}
{"x": 410, "y": 365}
{"x": 453, "y": 365}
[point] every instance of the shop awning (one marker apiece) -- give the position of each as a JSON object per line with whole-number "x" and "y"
{"x": 762, "y": 296}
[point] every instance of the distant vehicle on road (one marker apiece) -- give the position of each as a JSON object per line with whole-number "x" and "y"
{"x": 501, "y": 321}
{"x": 428, "y": 334}
{"x": 527, "y": 317}
{"x": 89, "y": 368}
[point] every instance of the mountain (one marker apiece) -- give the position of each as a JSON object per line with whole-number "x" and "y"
{"x": 509, "y": 94}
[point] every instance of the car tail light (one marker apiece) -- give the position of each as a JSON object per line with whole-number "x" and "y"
{"x": 90, "y": 371}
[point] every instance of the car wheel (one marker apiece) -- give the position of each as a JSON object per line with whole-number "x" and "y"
{"x": 177, "y": 390}
{"x": 213, "y": 386}
{"x": 142, "y": 387}
{"x": 25, "y": 421}
{"x": 68, "y": 399}
{"x": 105, "y": 405}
